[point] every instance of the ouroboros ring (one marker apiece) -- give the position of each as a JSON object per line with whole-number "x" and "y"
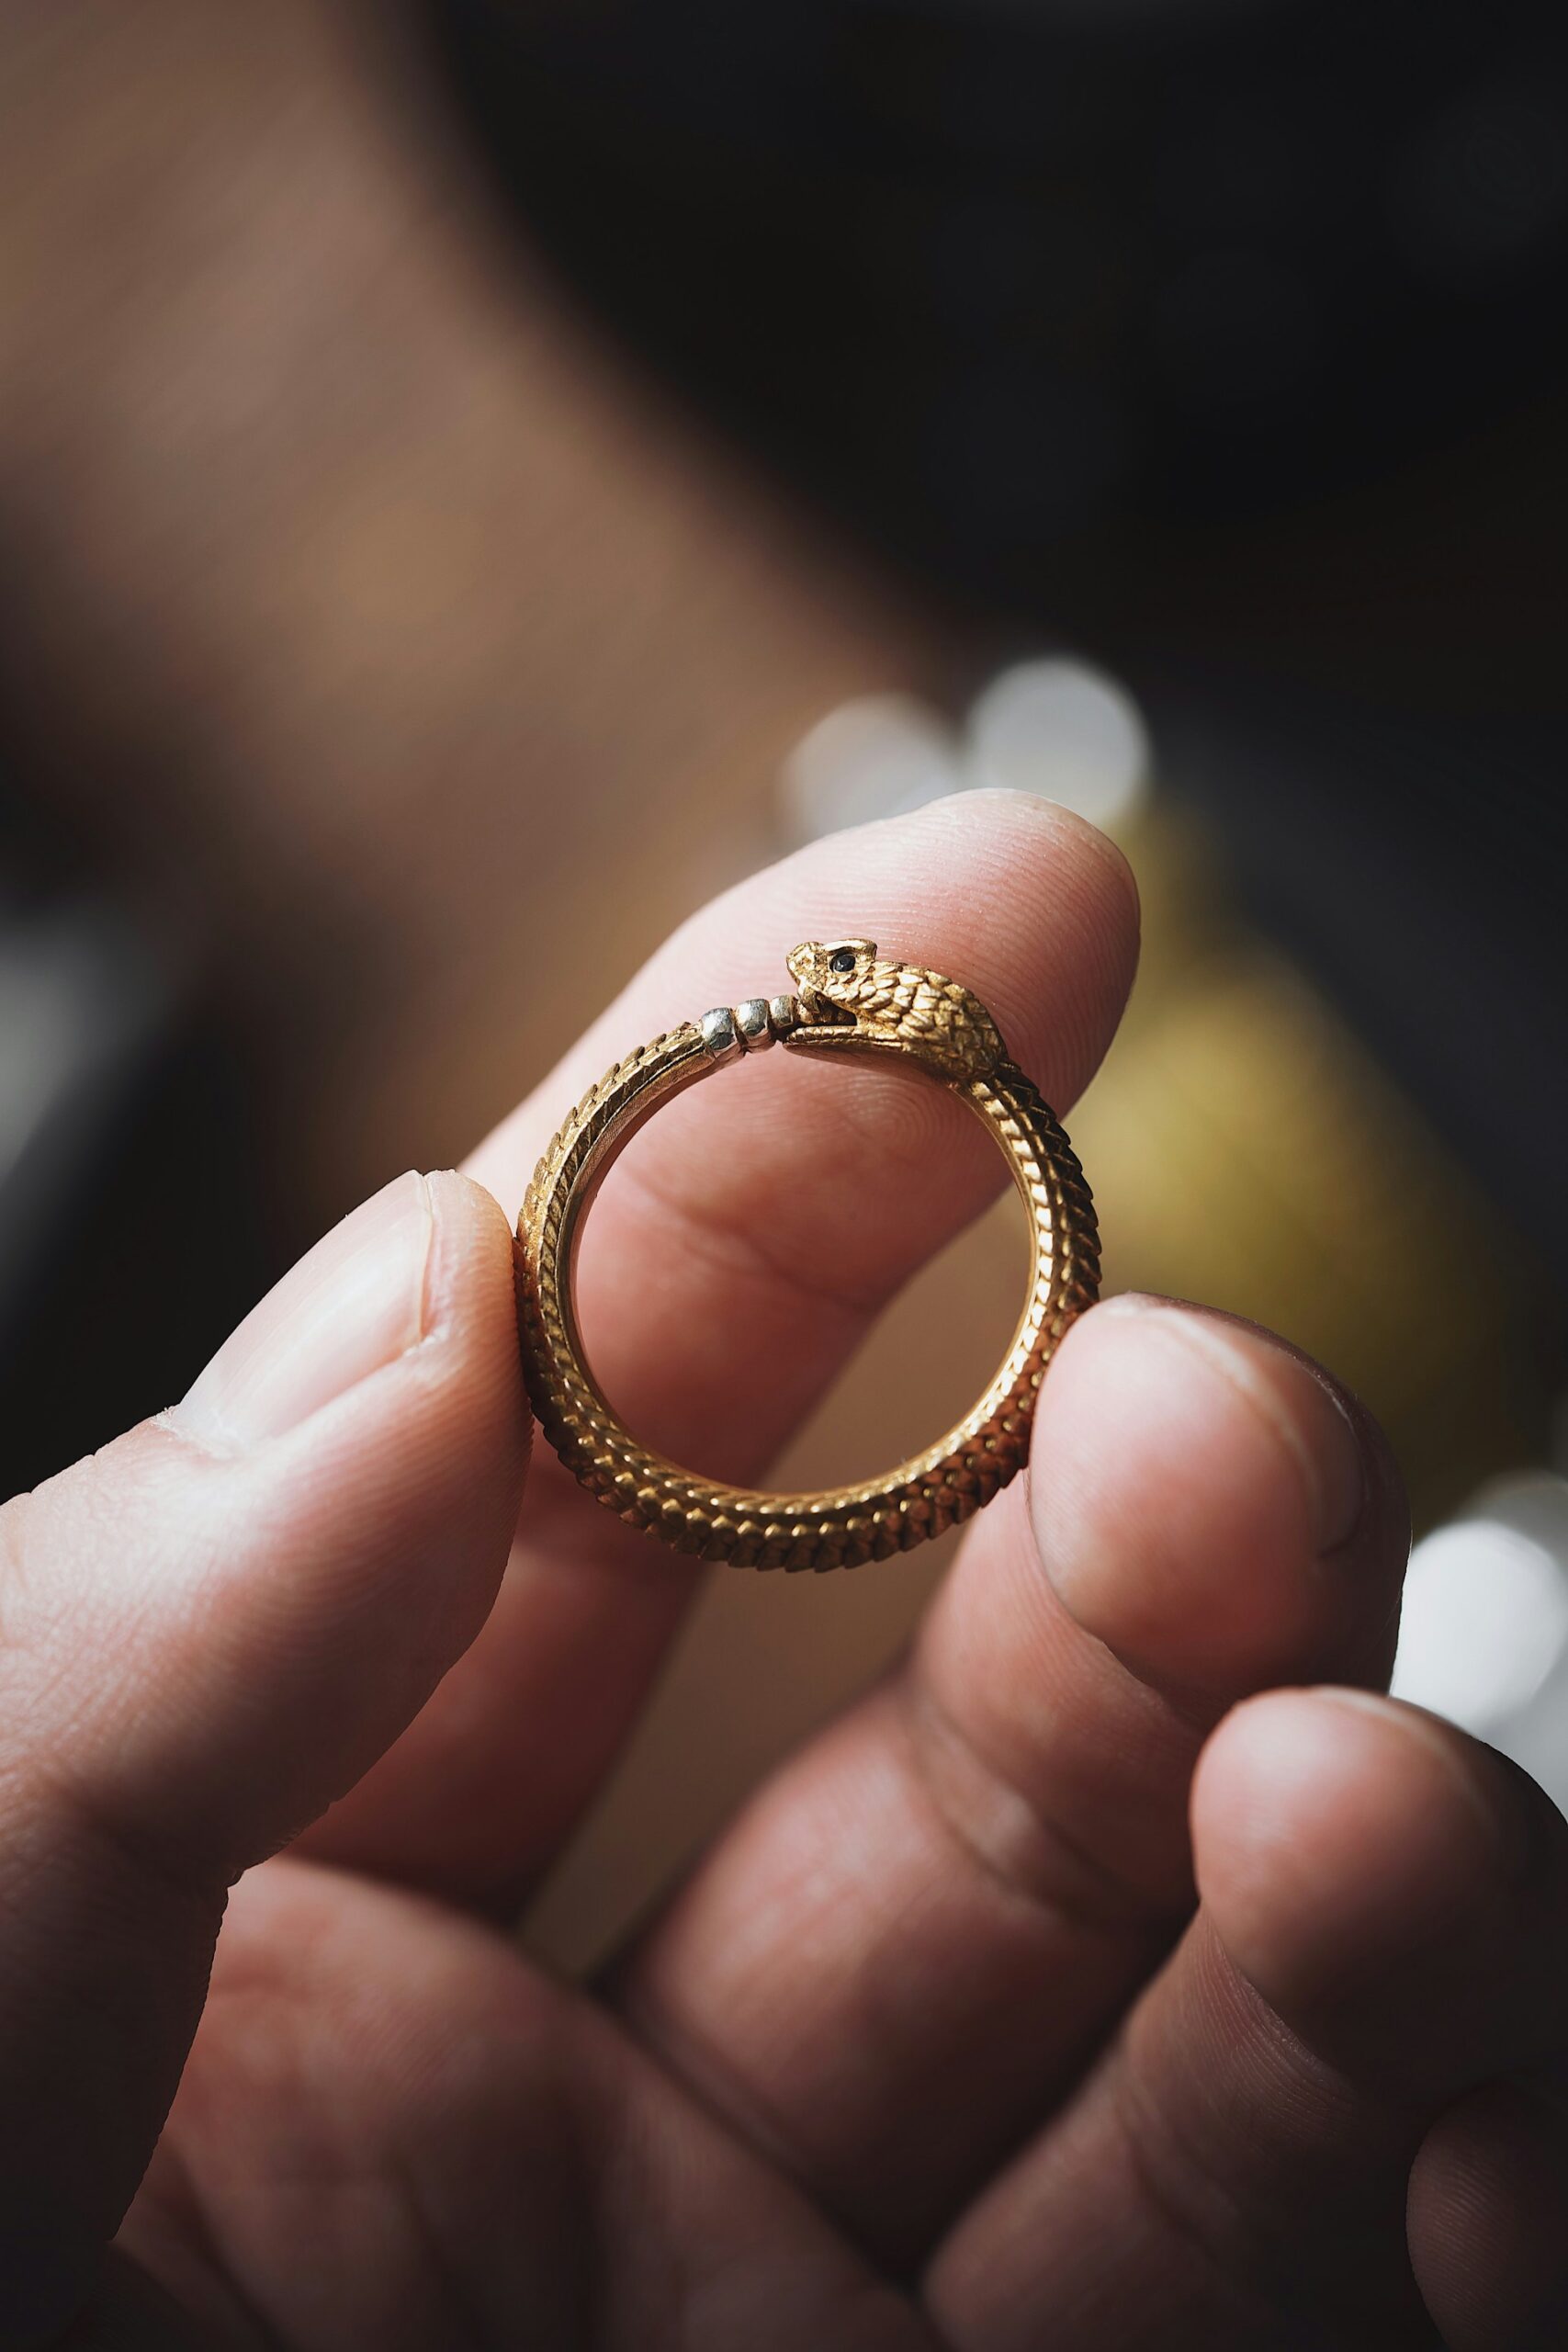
{"x": 849, "y": 1003}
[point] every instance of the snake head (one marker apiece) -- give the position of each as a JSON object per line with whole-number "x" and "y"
{"x": 831, "y": 976}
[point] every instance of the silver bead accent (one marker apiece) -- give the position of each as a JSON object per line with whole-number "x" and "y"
{"x": 756, "y": 1029}
{"x": 720, "y": 1035}
{"x": 784, "y": 1014}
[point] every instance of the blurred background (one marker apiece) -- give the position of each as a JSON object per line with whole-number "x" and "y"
{"x": 478, "y": 475}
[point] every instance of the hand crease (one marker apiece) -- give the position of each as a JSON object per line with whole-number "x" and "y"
{"x": 144, "y": 1853}
{"x": 1103, "y": 1903}
{"x": 1141, "y": 2126}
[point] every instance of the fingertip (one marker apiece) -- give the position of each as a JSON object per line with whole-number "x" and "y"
{"x": 421, "y": 1273}
{"x": 1065, "y": 910}
{"x": 1076, "y": 834}
{"x": 1488, "y": 2192}
{"x": 471, "y": 1310}
{"x": 1209, "y": 1505}
{"x": 1336, "y": 1833}
{"x": 351, "y": 1305}
{"x": 471, "y": 1274}
{"x": 1029, "y": 818}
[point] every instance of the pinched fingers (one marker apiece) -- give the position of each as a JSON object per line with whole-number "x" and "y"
{"x": 733, "y": 1261}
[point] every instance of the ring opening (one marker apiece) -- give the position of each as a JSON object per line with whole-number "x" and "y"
{"x": 753, "y": 1224}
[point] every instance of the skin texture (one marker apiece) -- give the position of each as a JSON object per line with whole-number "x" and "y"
{"x": 1121, "y": 1970}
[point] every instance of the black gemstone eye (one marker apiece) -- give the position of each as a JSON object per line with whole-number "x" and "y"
{"x": 843, "y": 961}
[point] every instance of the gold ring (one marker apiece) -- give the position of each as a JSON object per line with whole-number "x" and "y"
{"x": 848, "y": 1002}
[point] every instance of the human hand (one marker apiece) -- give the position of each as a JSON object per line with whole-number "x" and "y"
{"x": 1065, "y": 1991}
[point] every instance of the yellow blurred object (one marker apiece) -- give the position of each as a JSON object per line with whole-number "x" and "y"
{"x": 1250, "y": 1153}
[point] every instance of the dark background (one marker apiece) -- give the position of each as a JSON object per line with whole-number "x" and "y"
{"x": 1228, "y": 341}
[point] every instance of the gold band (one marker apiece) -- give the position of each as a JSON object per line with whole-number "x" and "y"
{"x": 849, "y": 1003}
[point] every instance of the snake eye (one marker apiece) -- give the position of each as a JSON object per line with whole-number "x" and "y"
{"x": 843, "y": 961}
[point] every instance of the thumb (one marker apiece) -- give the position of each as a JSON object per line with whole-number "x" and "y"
{"x": 208, "y": 1631}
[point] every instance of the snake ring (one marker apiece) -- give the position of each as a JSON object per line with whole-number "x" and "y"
{"x": 848, "y": 1002}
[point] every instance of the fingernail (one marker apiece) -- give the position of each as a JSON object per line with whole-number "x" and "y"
{"x": 354, "y": 1303}
{"x": 1308, "y": 1418}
